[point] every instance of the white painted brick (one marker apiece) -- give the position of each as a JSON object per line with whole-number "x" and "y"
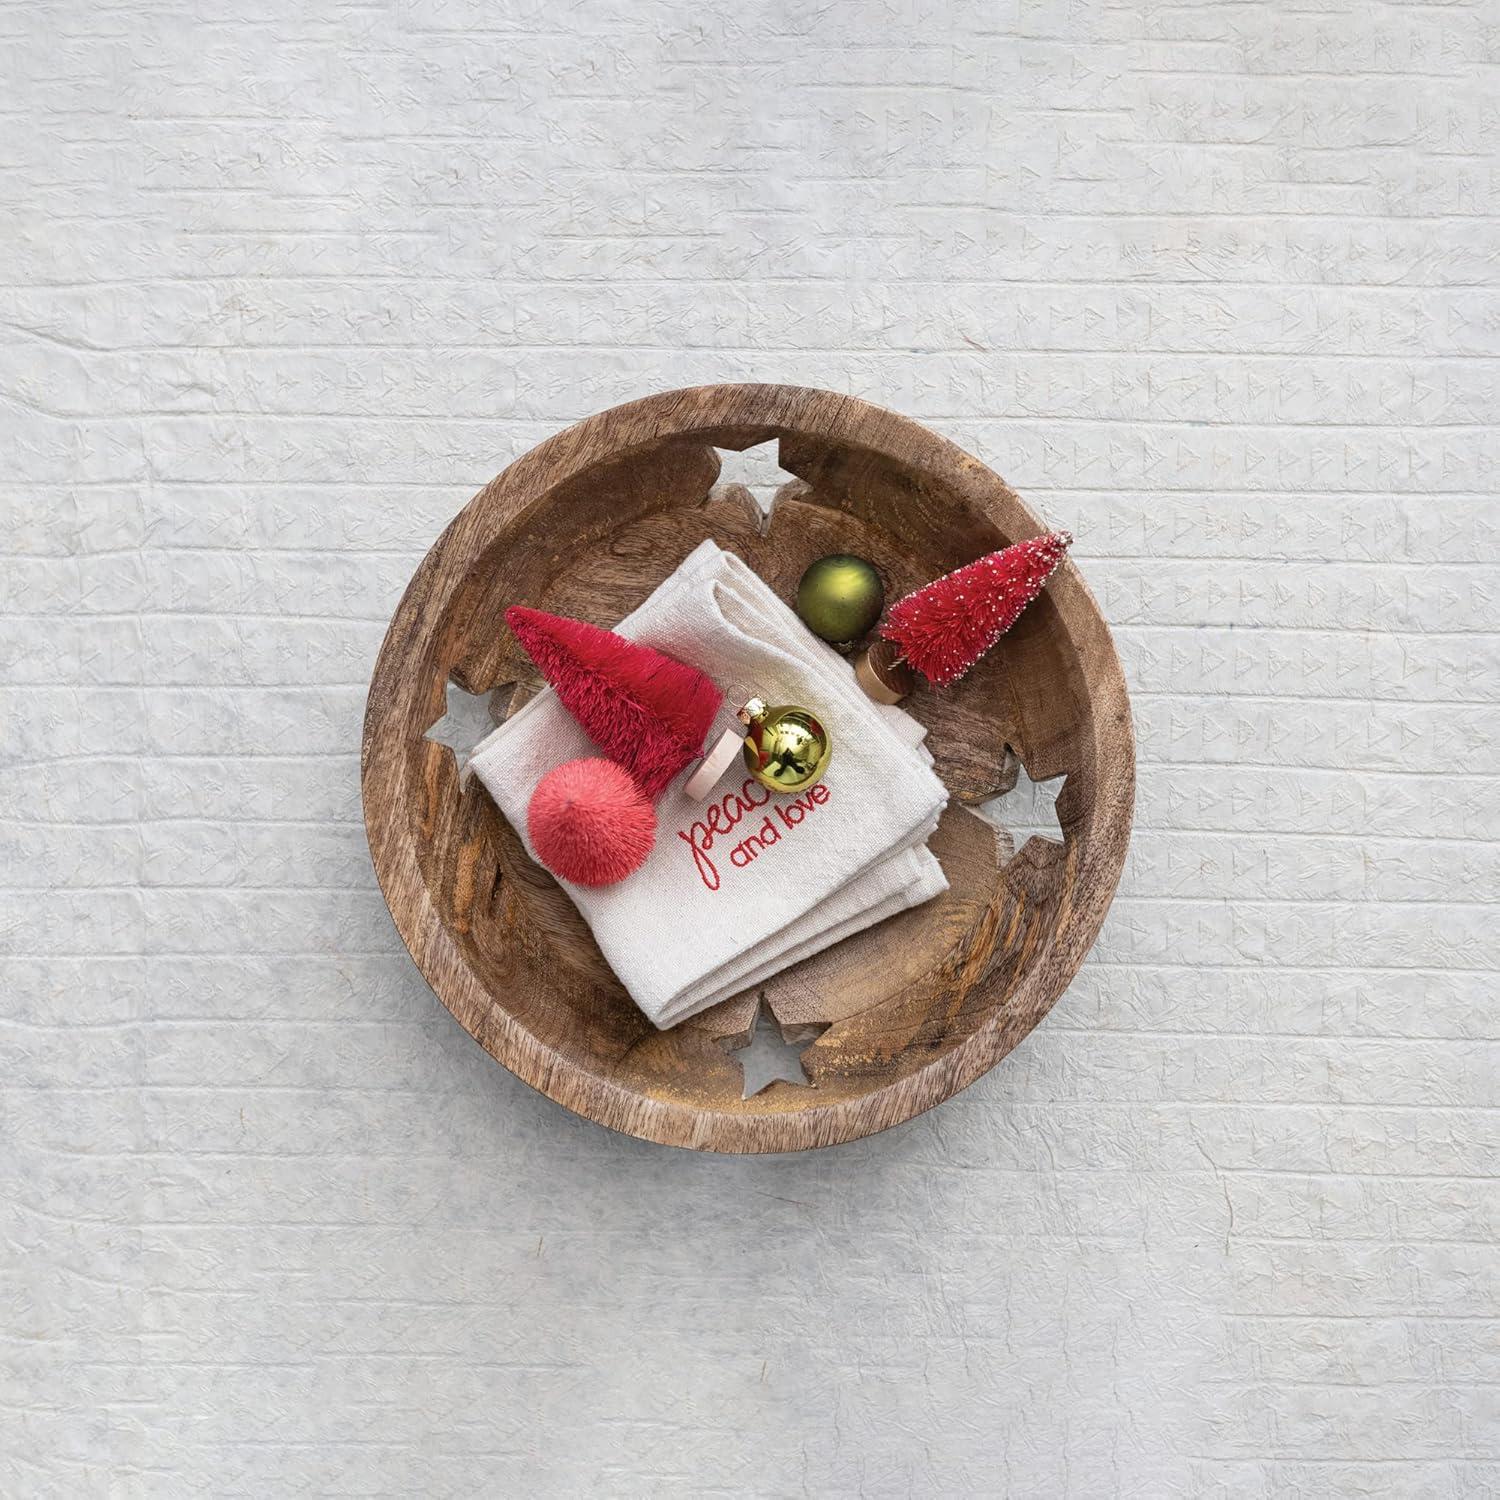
{"x": 1212, "y": 285}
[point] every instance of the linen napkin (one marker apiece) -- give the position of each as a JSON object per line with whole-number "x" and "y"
{"x": 742, "y": 885}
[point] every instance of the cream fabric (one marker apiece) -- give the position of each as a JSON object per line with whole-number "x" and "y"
{"x": 750, "y": 881}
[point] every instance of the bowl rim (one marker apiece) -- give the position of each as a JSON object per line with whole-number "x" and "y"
{"x": 399, "y": 695}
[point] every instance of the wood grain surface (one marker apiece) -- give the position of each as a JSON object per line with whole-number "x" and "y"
{"x": 587, "y": 524}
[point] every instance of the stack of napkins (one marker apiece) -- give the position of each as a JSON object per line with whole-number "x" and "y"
{"x": 742, "y": 885}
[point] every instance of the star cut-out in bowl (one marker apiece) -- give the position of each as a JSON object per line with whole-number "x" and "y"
{"x": 773, "y": 1054}
{"x": 467, "y": 719}
{"x": 922, "y": 1005}
{"x": 757, "y": 469}
{"x": 1028, "y": 810}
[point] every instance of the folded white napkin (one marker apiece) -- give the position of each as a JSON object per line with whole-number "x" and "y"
{"x": 709, "y": 914}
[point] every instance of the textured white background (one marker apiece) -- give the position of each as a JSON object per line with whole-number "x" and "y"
{"x": 1212, "y": 284}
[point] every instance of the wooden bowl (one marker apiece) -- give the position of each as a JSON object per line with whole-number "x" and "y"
{"x": 588, "y": 524}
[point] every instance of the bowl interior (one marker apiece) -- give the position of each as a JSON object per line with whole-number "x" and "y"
{"x": 889, "y": 1006}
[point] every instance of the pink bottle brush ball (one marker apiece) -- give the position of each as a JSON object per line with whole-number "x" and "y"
{"x": 590, "y": 823}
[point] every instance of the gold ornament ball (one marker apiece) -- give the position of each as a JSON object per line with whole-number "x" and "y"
{"x": 840, "y": 597}
{"x": 787, "y": 748}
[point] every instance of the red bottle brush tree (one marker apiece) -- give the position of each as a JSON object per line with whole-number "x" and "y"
{"x": 645, "y": 711}
{"x": 944, "y": 628}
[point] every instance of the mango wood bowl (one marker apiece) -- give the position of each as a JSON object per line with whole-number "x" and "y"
{"x": 587, "y": 524}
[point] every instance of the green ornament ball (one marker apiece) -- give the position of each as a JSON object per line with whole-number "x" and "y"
{"x": 840, "y": 597}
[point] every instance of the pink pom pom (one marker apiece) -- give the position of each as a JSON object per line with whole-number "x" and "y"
{"x": 590, "y": 823}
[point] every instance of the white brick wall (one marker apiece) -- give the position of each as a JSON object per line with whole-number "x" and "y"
{"x": 1212, "y": 283}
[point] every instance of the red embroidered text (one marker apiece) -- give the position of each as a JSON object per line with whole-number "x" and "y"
{"x": 725, "y": 815}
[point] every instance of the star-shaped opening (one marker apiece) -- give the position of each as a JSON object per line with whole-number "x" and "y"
{"x": 756, "y": 469}
{"x": 467, "y": 719}
{"x": 772, "y": 1053}
{"x": 1029, "y": 809}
